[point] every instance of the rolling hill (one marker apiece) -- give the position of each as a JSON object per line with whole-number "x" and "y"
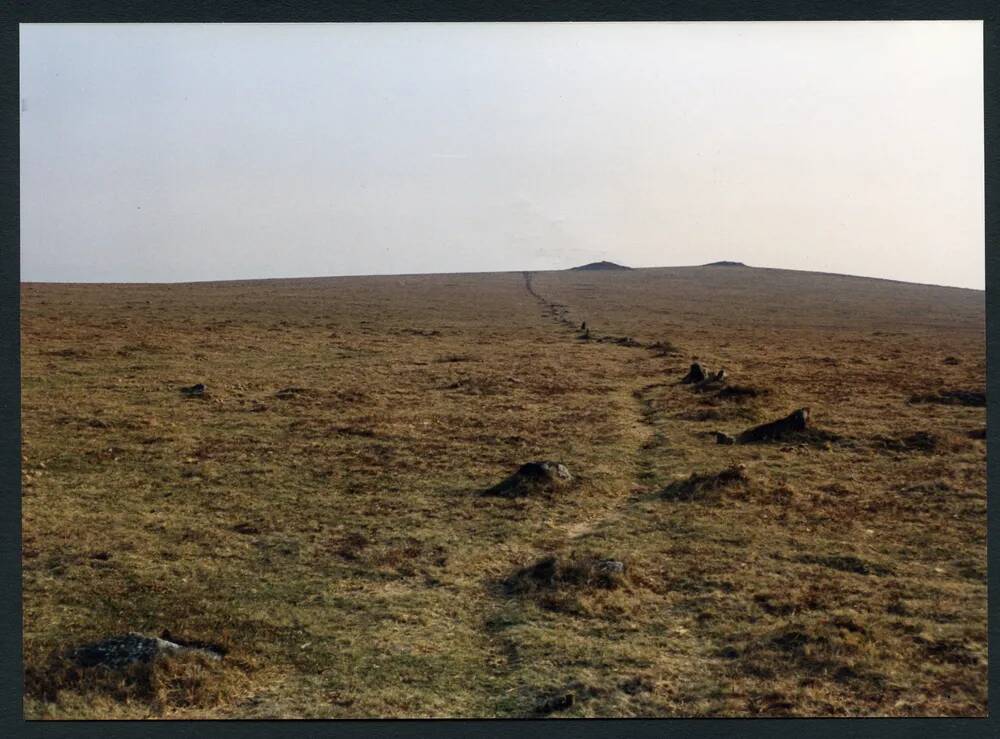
{"x": 318, "y": 514}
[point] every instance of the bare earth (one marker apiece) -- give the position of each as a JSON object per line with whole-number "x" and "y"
{"x": 332, "y": 538}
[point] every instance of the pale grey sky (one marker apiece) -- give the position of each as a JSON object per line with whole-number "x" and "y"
{"x": 161, "y": 153}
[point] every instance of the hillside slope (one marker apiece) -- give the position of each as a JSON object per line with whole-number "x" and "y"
{"x": 318, "y": 514}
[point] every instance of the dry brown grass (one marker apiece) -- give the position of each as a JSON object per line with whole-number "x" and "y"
{"x": 320, "y": 512}
{"x": 183, "y": 681}
{"x": 706, "y": 486}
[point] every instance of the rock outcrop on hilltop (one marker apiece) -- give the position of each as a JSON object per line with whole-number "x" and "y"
{"x": 600, "y": 265}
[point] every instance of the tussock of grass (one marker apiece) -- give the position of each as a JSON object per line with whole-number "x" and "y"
{"x": 583, "y": 572}
{"x": 351, "y": 545}
{"x": 664, "y": 348}
{"x": 974, "y": 398}
{"x": 740, "y": 393}
{"x": 477, "y": 385}
{"x": 847, "y": 563}
{"x": 923, "y": 441}
{"x": 170, "y": 681}
{"x": 140, "y": 348}
{"x": 708, "y": 486}
{"x": 725, "y": 413}
{"x": 289, "y": 393}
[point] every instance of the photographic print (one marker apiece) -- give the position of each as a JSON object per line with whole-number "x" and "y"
{"x": 503, "y": 370}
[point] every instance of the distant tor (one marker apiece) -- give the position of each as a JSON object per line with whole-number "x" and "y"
{"x": 600, "y": 265}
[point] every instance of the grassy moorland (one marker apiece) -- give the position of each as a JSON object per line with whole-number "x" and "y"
{"x": 318, "y": 514}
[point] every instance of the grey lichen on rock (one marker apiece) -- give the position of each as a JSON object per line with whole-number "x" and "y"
{"x": 118, "y": 652}
{"x": 533, "y": 478}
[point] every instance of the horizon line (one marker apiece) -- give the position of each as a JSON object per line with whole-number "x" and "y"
{"x": 715, "y": 264}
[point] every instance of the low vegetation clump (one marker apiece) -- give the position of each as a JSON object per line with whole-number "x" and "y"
{"x": 574, "y": 572}
{"x": 922, "y": 441}
{"x": 974, "y": 398}
{"x": 846, "y": 563}
{"x": 533, "y": 478}
{"x": 741, "y": 393}
{"x": 721, "y": 413}
{"x": 160, "y": 680}
{"x": 664, "y": 348}
{"x": 700, "y": 486}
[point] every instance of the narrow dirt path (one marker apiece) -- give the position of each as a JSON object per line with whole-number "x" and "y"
{"x": 653, "y": 441}
{"x": 608, "y": 524}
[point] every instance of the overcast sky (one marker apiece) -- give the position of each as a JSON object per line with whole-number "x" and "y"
{"x": 162, "y": 153}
